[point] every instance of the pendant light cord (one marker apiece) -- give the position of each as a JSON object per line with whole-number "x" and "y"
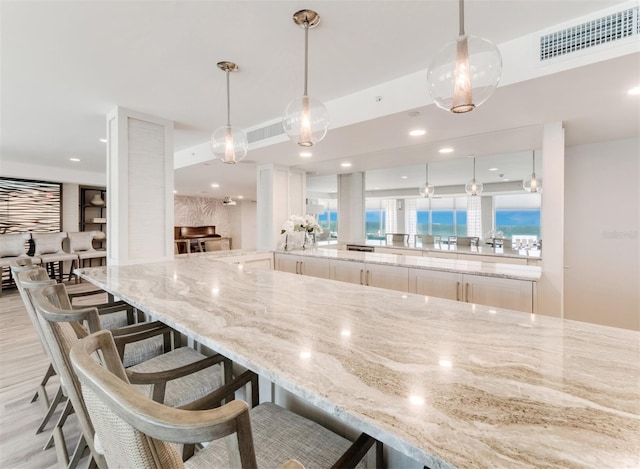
{"x": 474, "y": 169}
{"x": 228, "y": 102}
{"x": 306, "y": 54}
{"x": 461, "y": 19}
{"x": 426, "y": 173}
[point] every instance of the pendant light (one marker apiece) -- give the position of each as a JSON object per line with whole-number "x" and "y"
{"x": 228, "y": 144}
{"x": 465, "y": 72}
{"x": 305, "y": 119}
{"x": 532, "y": 183}
{"x": 427, "y": 190}
{"x": 473, "y": 187}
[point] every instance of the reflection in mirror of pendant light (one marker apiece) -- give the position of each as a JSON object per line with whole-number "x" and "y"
{"x": 427, "y": 190}
{"x": 228, "y": 144}
{"x": 473, "y": 187}
{"x": 465, "y": 72}
{"x": 305, "y": 119}
{"x": 532, "y": 183}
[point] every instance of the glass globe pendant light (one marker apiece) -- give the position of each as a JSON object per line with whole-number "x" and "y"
{"x": 532, "y": 183}
{"x": 473, "y": 187}
{"x": 465, "y": 72}
{"x": 229, "y": 145}
{"x": 305, "y": 119}
{"x": 427, "y": 190}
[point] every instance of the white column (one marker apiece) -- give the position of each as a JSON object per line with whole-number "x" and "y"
{"x": 551, "y": 285}
{"x": 487, "y": 214}
{"x": 281, "y": 193}
{"x": 474, "y": 216}
{"x": 139, "y": 188}
{"x": 351, "y": 207}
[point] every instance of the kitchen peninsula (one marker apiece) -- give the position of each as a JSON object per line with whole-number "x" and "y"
{"x": 493, "y": 283}
{"x": 444, "y": 383}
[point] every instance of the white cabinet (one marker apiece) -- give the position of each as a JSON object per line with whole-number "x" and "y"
{"x": 434, "y": 283}
{"x": 345, "y": 271}
{"x": 302, "y": 265}
{"x": 499, "y": 292}
{"x": 505, "y": 293}
{"x": 374, "y": 275}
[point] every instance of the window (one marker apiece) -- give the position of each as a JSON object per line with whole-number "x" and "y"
{"x": 518, "y": 215}
{"x": 328, "y": 219}
{"x": 376, "y": 219}
{"x": 445, "y": 216}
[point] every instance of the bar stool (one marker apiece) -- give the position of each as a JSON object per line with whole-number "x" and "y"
{"x": 49, "y": 249}
{"x": 81, "y": 244}
{"x": 12, "y": 248}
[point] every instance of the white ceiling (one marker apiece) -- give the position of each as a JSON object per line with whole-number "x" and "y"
{"x": 66, "y": 64}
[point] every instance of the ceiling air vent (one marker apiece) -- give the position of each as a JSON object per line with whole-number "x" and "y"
{"x": 601, "y": 31}
{"x": 265, "y": 132}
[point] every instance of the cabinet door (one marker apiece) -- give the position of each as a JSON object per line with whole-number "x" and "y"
{"x": 287, "y": 263}
{"x": 499, "y": 292}
{"x": 345, "y": 271}
{"x": 434, "y": 283}
{"x": 314, "y": 267}
{"x": 387, "y": 276}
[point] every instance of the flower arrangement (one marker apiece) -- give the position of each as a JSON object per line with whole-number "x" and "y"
{"x": 306, "y": 223}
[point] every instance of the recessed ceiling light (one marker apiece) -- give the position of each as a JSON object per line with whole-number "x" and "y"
{"x": 493, "y": 169}
{"x": 346, "y": 165}
{"x": 175, "y": 191}
{"x": 404, "y": 177}
{"x": 75, "y": 160}
{"x": 240, "y": 197}
{"x": 417, "y": 132}
{"x": 634, "y": 91}
{"x": 445, "y": 150}
{"x": 215, "y": 185}
{"x": 103, "y": 140}
{"x": 306, "y": 154}
{"x": 505, "y": 179}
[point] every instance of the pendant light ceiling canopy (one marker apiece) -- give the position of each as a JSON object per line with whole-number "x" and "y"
{"x": 427, "y": 190}
{"x": 305, "y": 119}
{"x": 229, "y": 145}
{"x": 532, "y": 183}
{"x": 473, "y": 187}
{"x": 465, "y": 72}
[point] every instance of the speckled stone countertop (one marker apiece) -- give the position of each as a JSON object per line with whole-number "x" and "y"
{"x": 447, "y": 383}
{"x": 489, "y": 269}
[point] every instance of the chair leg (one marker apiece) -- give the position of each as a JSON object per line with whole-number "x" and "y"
{"x": 52, "y": 407}
{"x": 78, "y": 453}
{"x": 68, "y": 410}
{"x": 41, "y": 390}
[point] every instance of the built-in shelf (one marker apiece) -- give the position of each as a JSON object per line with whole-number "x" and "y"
{"x": 89, "y": 212}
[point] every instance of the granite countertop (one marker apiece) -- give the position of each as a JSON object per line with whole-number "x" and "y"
{"x": 447, "y": 383}
{"x": 472, "y": 250}
{"x": 489, "y": 269}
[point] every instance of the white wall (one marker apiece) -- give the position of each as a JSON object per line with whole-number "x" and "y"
{"x": 602, "y": 248}
{"x": 243, "y": 225}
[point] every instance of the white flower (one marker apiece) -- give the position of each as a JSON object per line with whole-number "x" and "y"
{"x": 301, "y": 223}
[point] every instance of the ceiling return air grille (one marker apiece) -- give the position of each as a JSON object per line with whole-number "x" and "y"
{"x": 265, "y": 132}
{"x": 583, "y": 36}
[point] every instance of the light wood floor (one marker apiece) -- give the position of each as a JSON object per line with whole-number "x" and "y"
{"x": 22, "y": 366}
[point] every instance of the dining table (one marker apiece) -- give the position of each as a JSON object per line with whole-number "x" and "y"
{"x": 443, "y": 383}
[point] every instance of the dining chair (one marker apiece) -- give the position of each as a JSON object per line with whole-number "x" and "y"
{"x": 397, "y": 239}
{"x": 176, "y": 377}
{"x": 135, "y": 431}
{"x": 467, "y": 240}
{"x": 426, "y": 240}
{"x": 48, "y": 247}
